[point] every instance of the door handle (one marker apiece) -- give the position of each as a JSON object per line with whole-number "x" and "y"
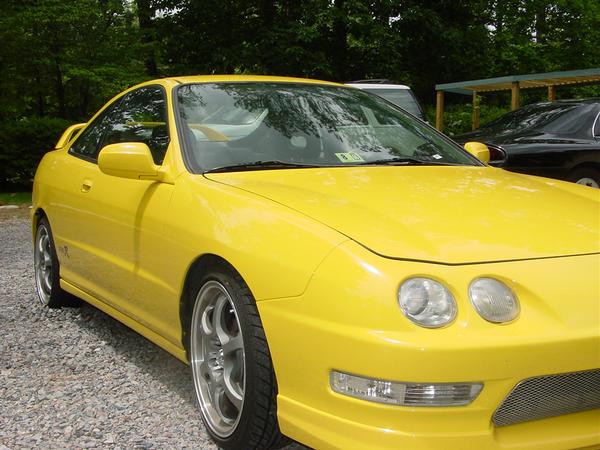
{"x": 86, "y": 186}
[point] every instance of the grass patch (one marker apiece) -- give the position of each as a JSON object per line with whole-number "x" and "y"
{"x": 15, "y": 198}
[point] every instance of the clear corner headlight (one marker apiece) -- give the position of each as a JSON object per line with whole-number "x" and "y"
{"x": 426, "y": 302}
{"x": 493, "y": 300}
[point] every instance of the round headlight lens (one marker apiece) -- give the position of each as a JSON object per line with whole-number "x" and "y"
{"x": 493, "y": 300}
{"x": 426, "y": 302}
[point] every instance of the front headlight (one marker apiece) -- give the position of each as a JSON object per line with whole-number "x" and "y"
{"x": 426, "y": 302}
{"x": 493, "y": 300}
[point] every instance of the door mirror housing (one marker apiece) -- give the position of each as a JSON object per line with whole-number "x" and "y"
{"x": 479, "y": 151}
{"x": 128, "y": 160}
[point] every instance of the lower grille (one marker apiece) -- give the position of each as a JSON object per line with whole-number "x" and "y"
{"x": 548, "y": 396}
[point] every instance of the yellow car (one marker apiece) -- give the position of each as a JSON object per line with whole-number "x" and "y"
{"x": 334, "y": 271}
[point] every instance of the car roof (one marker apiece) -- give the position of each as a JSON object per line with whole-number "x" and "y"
{"x": 377, "y": 86}
{"x": 246, "y": 78}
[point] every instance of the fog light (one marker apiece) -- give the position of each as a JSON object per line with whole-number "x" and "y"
{"x": 405, "y": 394}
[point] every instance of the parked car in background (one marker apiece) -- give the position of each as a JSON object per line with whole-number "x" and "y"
{"x": 552, "y": 139}
{"x": 398, "y": 94}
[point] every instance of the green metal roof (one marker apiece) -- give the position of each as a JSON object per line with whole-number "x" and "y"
{"x": 536, "y": 80}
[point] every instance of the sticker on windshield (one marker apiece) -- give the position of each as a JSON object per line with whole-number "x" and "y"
{"x": 436, "y": 156}
{"x": 349, "y": 157}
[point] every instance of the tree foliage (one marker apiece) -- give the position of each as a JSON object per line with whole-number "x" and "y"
{"x": 65, "y": 58}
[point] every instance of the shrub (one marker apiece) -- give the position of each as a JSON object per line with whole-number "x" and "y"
{"x": 458, "y": 118}
{"x": 24, "y": 142}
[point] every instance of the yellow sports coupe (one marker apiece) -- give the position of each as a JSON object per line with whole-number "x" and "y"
{"x": 334, "y": 270}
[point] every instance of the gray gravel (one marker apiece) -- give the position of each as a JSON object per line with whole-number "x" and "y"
{"x": 76, "y": 378}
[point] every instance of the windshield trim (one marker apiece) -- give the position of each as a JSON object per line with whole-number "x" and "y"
{"x": 182, "y": 139}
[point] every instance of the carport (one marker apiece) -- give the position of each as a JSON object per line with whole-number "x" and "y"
{"x": 513, "y": 83}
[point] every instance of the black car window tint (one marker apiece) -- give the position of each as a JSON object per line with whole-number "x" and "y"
{"x": 141, "y": 117}
{"x": 88, "y": 144}
{"x": 544, "y": 116}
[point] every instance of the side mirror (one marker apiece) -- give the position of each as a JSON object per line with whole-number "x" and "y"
{"x": 479, "y": 151}
{"x": 68, "y": 134}
{"x": 128, "y": 160}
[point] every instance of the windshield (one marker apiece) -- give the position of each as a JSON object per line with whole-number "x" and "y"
{"x": 401, "y": 97}
{"x": 550, "y": 117}
{"x": 234, "y": 124}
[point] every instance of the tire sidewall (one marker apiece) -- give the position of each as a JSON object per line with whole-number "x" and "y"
{"x": 241, "y": 435}
{"x": 53, "y": 299}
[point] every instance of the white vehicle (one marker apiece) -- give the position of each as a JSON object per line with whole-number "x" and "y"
{"x": 398, "y": 94}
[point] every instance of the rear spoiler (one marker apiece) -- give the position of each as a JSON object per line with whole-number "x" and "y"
{"x": 68, "y": 135}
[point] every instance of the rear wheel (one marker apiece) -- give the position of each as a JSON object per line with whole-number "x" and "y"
{"x": 46, "y": 268}
{"x": 586, "y": 176}
{"x": 231, "y": 365}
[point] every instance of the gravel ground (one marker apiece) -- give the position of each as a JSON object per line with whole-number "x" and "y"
{"x": 76, "y": 378}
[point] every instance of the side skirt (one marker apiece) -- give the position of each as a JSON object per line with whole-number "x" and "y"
{"x": 149, "y": 334}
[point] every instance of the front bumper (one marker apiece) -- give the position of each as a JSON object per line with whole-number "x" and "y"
{"x": 348, "y": 320}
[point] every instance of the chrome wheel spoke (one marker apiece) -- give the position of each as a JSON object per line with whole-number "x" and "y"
{"x": 206, "y": 321}
{"x": 221, "y": 308}
{"x": 42, "y": 241}
{"x": 219, "y": 401}
{"x": 232, "y": 383}
{"x": 47, "y": 284}
{"x": 232, "y": 345}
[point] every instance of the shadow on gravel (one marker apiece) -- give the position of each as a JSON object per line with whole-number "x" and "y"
{"x": 149, "y": 358}
{"x": 136, "y": 349}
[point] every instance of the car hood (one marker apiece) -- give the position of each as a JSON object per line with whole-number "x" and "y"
{"x": 444, "y": 214}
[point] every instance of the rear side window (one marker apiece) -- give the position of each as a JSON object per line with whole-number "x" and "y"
{"x": 597, "y": 126}
{"x": 401, "y": 97}
{"x": 140, "y": 116}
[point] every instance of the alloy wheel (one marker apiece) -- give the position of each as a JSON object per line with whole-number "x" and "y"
{"x": 217, "y": 358}
{"x": 43, "y": 264}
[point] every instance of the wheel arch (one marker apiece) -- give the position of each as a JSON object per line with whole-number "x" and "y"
{"x": 197, "y": 269}
{"x": 585, "y": 165}
{"x": 35, "y": 219}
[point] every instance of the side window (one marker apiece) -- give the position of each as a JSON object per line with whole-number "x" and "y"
{"x": 88, "y": 145}
{"x": 140, "y": 116}
{"x": 597, "y": 127}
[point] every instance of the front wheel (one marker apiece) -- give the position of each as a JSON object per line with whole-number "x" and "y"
{"x": 231, "y": 365}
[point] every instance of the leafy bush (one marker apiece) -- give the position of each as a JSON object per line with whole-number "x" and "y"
{"x": 458, "y": 118}
{"x": 24, "y": 142}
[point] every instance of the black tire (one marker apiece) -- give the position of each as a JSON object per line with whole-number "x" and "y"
{"x": 47, "y": 270}
{"x": 256, "y": 424}
{"x": 587, "y": 176}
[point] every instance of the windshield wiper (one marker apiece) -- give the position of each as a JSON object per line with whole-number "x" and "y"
{"x": 405, "y": 160}
{"x": 258, "y": 165}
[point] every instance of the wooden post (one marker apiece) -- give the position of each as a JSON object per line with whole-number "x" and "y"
{"x": 475, "y": 123}
{"x": 551, "y": 93}
{"x": 515, "y": 96}
{"x": 439, "y": 110}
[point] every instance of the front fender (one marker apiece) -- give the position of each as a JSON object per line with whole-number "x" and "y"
{"x": 274, "y": 248}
